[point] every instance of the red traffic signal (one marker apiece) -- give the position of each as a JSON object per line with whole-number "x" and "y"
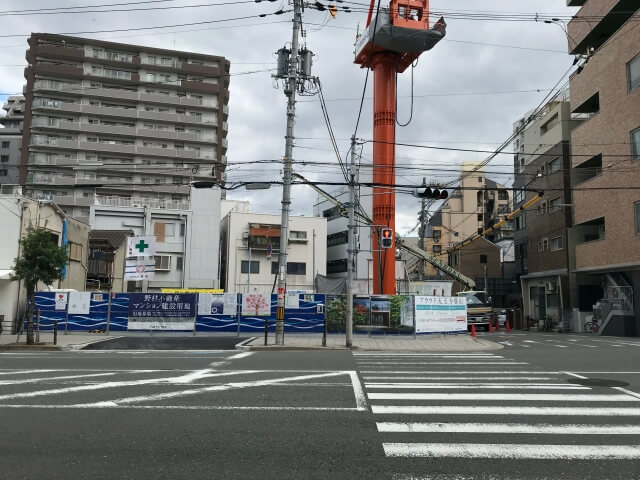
{"x": 386, "y": 238}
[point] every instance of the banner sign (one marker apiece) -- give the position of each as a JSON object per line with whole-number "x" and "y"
{"x": 192, "y": 290}
{"x": 155, "y": 305}
{"x": 217, "y": 304}
{"x": 256, "y": 304}
{"x": 61, "y": 301}
{"x": 440, "y": 314}
{"x": 140, "y": 269}
{"x": 292, "y": 300}
{"x": 141, "y": 246}
{"x": 79, "y": 303}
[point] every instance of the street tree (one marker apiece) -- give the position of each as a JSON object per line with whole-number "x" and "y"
{"x": 40, "y": 260}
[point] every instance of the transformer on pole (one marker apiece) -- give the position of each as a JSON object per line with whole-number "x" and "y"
{"x": 393, "y": 39}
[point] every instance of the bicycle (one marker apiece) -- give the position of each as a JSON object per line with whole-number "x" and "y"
{"x": 591, "y": 326}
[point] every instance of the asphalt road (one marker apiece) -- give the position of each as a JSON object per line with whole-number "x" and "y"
{"x": 521, "y": 412}
{"x": 167, "y": 342}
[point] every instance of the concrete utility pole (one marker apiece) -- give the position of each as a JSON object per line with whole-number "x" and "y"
{"x": 423, "y": 229}
{"x": 291, "y": 83}
{"x": 351, "y": 244}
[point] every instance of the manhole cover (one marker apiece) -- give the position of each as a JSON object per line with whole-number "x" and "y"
{"x": 597, "y": 382}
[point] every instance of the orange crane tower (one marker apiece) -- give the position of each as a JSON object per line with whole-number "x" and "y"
{"x": 394, "y": 37}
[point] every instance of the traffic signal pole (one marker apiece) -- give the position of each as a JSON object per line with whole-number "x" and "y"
{"x": 384, "y": 66}
{"x": 351, "y": 245}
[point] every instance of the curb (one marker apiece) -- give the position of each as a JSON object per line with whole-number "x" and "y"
{"x": 27, "y": 348}
{"x": 288, "y": 348}
{"x": 80, "y": 346}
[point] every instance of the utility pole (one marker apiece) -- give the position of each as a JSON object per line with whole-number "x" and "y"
{"x": 422, "y": 230}
{"x": 351, "y": 244}
{"x": 291, "y": 83}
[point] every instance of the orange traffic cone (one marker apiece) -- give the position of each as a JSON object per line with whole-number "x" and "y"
{"x": 506, "y": 326}
{"x": 490, "y": 327}
{"x": 473, "y": 330}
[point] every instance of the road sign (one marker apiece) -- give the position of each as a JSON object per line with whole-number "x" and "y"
{"x": 141, "y": 246}
{"x": 139, "y": 269}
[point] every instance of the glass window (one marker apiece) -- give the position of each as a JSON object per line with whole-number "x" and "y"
{"x": 556, "y": 243}
{"x": 635, "y": 144}
{"x": 4, "y": 158}
{"x": 637, "y": 208}
{"x": 483, "y": 259}
{"x": 255, "y": 266}
{"x": 296, "y": 268}
{"x": 633, "y": 71}
{"x": 554, "y": 165}
{"x": 554, "y": 204}
{"x": 5, "y": 144}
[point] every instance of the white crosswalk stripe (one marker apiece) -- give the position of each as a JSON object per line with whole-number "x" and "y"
{"x": 471, "y": 406}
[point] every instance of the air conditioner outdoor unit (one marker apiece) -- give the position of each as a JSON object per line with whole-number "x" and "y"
{"x": 245, "y": 235}
{"x": 550, "y": 286}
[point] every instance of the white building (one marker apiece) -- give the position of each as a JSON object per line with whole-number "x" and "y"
{"x": 187, "y": 249}
{"x": 245, "y": 265}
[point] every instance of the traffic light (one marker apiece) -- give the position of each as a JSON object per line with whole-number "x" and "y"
{"x": 386, "y": 238}
{"x": 434, "y": 194}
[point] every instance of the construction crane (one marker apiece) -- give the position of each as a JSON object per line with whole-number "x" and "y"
{"x": 393, "y": 39}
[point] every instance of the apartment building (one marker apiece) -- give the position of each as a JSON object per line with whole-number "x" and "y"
{"x": 543, "y": 255}
{"x": 250, "y": 244}
{"x": 468, "y": 209}
{"x": 605, "y": 93}
{"x": 126, "y": 124}
{"x": 11, "y": 139}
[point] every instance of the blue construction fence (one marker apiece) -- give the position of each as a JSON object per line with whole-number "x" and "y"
{"x": 102, "y": 311}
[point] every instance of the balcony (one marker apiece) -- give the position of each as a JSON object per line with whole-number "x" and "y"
{"x": 56, "y": 51}
{"x": 128, "y": 202}
{"x": 107, "y": 147}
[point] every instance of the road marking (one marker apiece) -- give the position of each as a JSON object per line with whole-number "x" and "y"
{"x": 20, "y": 372}
{"x": 443, "y": 363}
{"x": 628, "y": 392}
{"x": 540, "y": 428}
{"x": 513, "y": 451}
{"x": 500, "y": 397}
{"x": 560, "y": 346}
{"x": 508, "y": 344}
{"x": 470, "y": 355}
{"x": 185, "y": 407}
{"x": 214, "y": 388}
{"x": 238, "y": 356}
{"x": 46, "y": 379}
{"x": 394, "y": 377}
{"x": 479, "y": 386}
{"x": 358, "y": 391}
{"x": 530, "y": 341}
{"x": 506, "y": 410}
{"x": 574, "y": 375}
{"x": 479, "y": 373}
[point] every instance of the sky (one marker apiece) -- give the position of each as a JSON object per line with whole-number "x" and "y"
{"x": 465, "y": 94}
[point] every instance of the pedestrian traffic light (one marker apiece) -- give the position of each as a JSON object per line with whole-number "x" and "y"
{"x": 433, "y": 193}
{"x": 386, "y": 238}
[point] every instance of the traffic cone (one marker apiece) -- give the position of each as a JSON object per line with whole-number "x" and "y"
{"x": 490, "y": 327}
{"x": 473, "y": 330}
{"x": 506, "y": 326}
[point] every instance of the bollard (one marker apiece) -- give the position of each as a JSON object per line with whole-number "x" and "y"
{"x": 38, "y": 326}
{"x": 55, "y": 332}
{"x": 324, "y": 332}
{"x": 266, "y": 330}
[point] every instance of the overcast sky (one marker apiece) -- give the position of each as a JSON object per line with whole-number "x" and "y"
{"x": 467, "y": 91}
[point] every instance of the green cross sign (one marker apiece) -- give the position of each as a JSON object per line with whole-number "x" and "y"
{"x": 141, "y": 246}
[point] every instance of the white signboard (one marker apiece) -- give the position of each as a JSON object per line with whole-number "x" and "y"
{"x": 61, "y": 301}
{"x": 79, "y": 303}
{"x": 256, "y": 304}
{"x": 216, "y": 304}
{"x": 440, "y": 314}
{"x": 292, "y": 300}
{"x": 140, "y": 269}
{"x": 141, "y": 246}
{"x": 159, "y": 324}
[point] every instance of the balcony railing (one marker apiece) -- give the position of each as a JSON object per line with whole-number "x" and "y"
{"x": 151, "y": 203}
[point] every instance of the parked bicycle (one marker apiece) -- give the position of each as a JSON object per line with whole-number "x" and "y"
{"x": 591, "y": 326}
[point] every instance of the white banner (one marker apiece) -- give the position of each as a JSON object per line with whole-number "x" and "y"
{"x": 61, "y": 301}
{"x": 141, "y": 246}
{"x": 440, "y": 314}
{"x": 256, "y": 304}
{"x": 139, "y": 269}
{"x": 79, "y": 303}
{"x": 168, "y": 325}
{"x": 292, "y": 300}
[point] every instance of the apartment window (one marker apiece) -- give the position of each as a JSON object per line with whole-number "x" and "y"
{"x": 339, "y": 238}
{"x": 297, "y": 235}
{"x": 556, "y": 244}
{"x": 554, "y": 165}
{"x": 521, "y": 222}
{"x": 519, "y": 196}
{"x": 542, "y": 208}
{"x": 3, "y": 172}
{"x": 296, "y": 268}
{"x": 333, "y": 266}
{"x": 437, "y": 235}
{"x": 75, "y": 251}
{"x": 179, "y": 261}
{"x": 6, "y": 144}
{"x": 182, "y": 225}
{"x": 543, "y": 245}
{"x": 163, "y": 263}
{"x": 637, "y": 209}
{"x": 549, "y": 124}
{"x": 483, "y": 259}
{"x": 255, "y": 266}
{"x": 633, "y": 71}
{"x": 502, "y": 195}
{"x": 554, "y": 204}
{"x": 4, "y": 158}
{"x": 437, "y": 249}
{"x": 479, "y": 179}
{"x": 635, "y": 144}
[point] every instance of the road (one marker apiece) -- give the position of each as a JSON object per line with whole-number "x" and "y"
{"x": 531, "y": 410}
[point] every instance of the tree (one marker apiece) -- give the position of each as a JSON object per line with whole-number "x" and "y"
{"x": 40, "y": 260}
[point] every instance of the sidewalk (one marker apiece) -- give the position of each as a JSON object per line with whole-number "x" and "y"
{"x": 71, "y": 341}
{"x": 394, "y": 343}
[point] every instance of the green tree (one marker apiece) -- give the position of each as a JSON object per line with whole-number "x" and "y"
{"x": 40, "y": 260}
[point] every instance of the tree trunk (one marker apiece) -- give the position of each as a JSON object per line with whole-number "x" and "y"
{"x": 32, "y": 300}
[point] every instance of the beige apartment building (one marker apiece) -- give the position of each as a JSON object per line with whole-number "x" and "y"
{"x": 121, "y": 125}
{"x": 605, "y": 93}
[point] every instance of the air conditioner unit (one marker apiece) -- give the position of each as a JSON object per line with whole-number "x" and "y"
{"x": 550, "y": 286}
{"x": 245, "y": 235}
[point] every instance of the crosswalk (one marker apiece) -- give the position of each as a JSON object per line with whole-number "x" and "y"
{"x": 486, "y": 406}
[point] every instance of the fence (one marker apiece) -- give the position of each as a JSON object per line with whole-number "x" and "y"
{"x": 96, "y": 311}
